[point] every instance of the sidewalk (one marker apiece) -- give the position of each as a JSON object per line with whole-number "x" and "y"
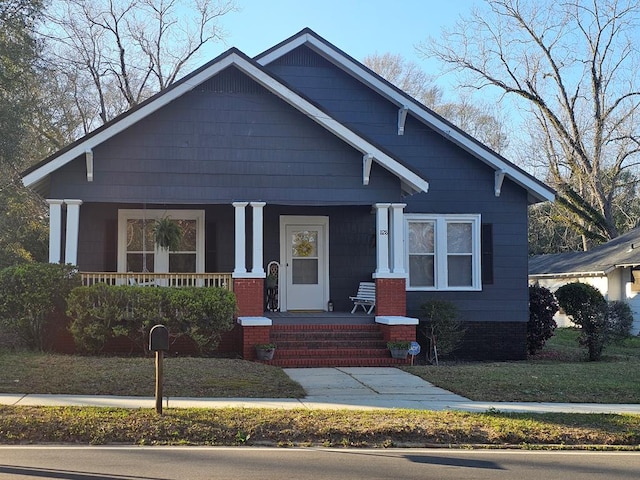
{"x": 334, "y": 388}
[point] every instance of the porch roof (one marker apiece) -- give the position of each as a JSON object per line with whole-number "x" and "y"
{"x": 37, "y": 177}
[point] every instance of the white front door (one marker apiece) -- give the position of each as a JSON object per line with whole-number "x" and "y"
{"x": 305, "y": 252}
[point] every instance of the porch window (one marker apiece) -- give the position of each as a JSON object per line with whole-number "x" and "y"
{"x": 443, "y": 252}
{"x": 137, "y": 251}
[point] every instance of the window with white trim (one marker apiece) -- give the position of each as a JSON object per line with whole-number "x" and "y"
{"x": 137, "y": 251}
{"x": 443, "y": 252}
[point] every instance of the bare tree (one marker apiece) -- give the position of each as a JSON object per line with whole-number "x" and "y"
{"x": 479, "y": 119}
{"x": 407, "y": 76}
{"x": 572, "y": 66}
{"x": 474, "y": 117}
{"x": 115, "y": 53}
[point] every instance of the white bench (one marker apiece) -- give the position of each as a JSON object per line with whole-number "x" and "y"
{"x": 365, "y": 298}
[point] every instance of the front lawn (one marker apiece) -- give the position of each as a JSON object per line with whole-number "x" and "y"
{"x": 183, "y": 376}
{"x": 558, "y": 374}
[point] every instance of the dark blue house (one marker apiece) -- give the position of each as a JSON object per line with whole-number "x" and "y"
{"x": 303, "y": 163}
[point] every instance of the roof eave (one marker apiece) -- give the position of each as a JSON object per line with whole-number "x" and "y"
{"x": 40, "y": 173}
{"x": 538, "y": 191}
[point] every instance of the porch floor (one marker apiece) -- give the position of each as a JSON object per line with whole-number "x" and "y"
{"x": 320, "y": 318}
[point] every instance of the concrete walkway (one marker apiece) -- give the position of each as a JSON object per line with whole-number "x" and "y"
{"x": 334, "y": 388}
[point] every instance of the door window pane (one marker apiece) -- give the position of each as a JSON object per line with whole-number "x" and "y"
{"x": 304, "y": 244}
{"x": 304, "y": 271}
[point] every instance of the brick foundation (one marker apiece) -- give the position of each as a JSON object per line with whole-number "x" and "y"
{"x": 391, "y": 297}
{"x": 494, "y": 341}
{"x": 249, "y": 296}
{"x": 252, "y": 336}
{"x": 394, "y": 333}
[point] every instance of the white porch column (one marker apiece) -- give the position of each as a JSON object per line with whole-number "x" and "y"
{"x": 73, "y": 230}
{"x": 55, "y": 230}
{"x": 382, "y": 237}
{"x": 258, "y": 234}
{"x": 240, "y": 238}
{"x": 397, "y": 237}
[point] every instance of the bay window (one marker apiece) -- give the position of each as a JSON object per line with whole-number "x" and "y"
{"x": 443, "y": 252}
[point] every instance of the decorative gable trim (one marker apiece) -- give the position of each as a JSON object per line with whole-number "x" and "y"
{"x": 232, "y": 58}
{"x": 538, "y": 191}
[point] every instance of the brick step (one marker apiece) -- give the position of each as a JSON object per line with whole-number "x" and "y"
{"x": 325, "y": 328}
{"x": 304, "y": 352}
{"x": 292, "y": 334}
{"x": 321, "y": 345}
{"x": 303, "y": 337}
{"x": 337, "y": 362}
{"x": 355, "y": 343}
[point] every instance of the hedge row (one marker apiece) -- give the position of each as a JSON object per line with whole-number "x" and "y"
{"x": 30, "y": 296}
{"x": 101, "y": 313}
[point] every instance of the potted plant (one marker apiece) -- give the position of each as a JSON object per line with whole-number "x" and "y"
{"x": 399, "y": 348}
{"x": 265, "y": 351}
{"x": 167, "y": 233}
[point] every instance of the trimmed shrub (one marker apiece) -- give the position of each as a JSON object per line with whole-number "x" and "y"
{"x": 440, "y": 325}
{"x": 101, "y": 313}
{"x": 542, "y": 307}
{"x": 619, "y": 321}
{"x": 201, "y": 313}
{"x": 32, "y": 295}
{"x": 588, "y": 308}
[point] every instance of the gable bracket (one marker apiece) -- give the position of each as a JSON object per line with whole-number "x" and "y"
{"x": 88, "y": 155}
{"x": 402, "y": 118}
{"x": 367, "y": 161}
{"x": 499, "y": 178}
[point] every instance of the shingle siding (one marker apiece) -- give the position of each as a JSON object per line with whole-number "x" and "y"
{"x": 209, "y": 147}
{"x": 458, "y": 182}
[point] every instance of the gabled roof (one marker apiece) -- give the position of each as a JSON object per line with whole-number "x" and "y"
{"x": 537, "y": 190}
{"x": 622, "y": 251}
{"x": 37, "y": 176}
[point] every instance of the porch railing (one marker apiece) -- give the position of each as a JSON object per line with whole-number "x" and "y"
{"x": 223, "y": 280}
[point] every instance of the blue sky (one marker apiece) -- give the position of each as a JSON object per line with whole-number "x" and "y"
{"x": 359, "y": 27}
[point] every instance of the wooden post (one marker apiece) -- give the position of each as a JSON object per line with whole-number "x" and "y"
{"x": 159, "y": 380}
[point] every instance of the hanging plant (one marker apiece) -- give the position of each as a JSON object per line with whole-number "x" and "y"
{"x": 167, "y": 233}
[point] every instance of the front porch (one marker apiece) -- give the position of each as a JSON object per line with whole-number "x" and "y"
{"x": 322, "y": 253}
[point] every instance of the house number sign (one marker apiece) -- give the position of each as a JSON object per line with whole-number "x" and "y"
{"x": 384, "y": 232}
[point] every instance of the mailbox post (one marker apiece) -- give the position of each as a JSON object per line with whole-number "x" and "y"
{"x": 159, "y": 343}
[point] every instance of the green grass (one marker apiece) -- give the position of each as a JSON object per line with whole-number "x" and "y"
{"x": 378, "y": 428}
{"x": 183, "y": 377}
{"x": 559, "y": 373}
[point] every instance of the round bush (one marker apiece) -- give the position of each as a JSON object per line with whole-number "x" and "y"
{"x": 542, "y": 307}
{"x": 588, "y": 308}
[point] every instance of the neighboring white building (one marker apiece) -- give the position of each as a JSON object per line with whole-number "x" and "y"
{"x": 613, "y": 268}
